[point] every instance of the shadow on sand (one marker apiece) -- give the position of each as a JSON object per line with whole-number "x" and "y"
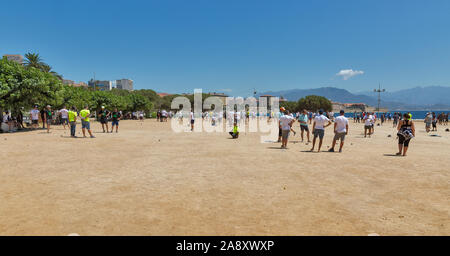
{"x": 279, "y": 148}
{"x": 392, "y": 155}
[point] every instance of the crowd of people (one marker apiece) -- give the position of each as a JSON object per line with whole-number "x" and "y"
{"x": 404, "y": 124}
{"x": 67, "y": 118}
{"x": 319, "y": 121}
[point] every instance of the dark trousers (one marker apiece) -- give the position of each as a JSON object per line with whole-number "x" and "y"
{"x": 73, "y": 126}
{"x": 234, "y": 135}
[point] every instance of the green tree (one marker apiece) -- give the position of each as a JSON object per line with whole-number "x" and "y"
{"x": 33, "y": 60}
{"x": 290, "y": 105}
{"x": 48, "y": 69}
{"x": 314, "y": 103}
{"x": 138, "y": 102}
{"x": 23, "y": 87}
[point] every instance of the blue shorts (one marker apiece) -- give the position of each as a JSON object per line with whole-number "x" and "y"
{"x": 115, "y": 123}
{"x": 86, "y": 125}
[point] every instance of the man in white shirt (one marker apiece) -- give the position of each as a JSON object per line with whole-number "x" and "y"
{"x": 64, "y": 117}
{"x": 340, "y": 130}
{"x": 34, "y": 115}
{"x": 368, "y": 124}
{"x": 320, "y": 123}
{"x": 285, "y": 122}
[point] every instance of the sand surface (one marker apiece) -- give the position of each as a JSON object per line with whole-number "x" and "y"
{"x": 147, "y": 180}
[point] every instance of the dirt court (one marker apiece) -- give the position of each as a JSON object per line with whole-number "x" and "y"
{"x": 147, "y": 180}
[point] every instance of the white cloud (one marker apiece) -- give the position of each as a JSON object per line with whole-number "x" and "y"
{"x": 349, "y": 73}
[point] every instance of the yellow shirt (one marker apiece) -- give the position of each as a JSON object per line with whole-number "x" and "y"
{"x": 72, "y": 116}
{"x": 85, "y": 115}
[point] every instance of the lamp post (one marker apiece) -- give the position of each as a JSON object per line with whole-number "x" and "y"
{"x": 379, "y": 91}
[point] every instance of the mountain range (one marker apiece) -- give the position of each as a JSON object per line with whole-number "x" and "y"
{"x": 419, "y": 98}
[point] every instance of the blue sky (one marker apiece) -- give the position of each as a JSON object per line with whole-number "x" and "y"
{"x": 235, "y": 46}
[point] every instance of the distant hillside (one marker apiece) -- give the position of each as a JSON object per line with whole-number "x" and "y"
{"x": 334, "y": 94}
{"x": 434, "y": 97}
{"x": 423, "y": 96}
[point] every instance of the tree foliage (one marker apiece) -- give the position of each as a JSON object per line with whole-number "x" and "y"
{"x": 314, "y": 103}
{"x": 34, "y": 60}
{"x": 310, "y": 103}
{"x": 25, "y": 86}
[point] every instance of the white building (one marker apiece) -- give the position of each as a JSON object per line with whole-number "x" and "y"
{"x": 124, "y": 84}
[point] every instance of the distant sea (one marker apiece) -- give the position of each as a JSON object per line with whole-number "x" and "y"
{"x": 415, "y": 114}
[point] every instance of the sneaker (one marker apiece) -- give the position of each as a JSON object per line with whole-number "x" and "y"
{"x": 92, "y": 137}
{"x": 331, "y": 150}
{"x": 340, "y": 150}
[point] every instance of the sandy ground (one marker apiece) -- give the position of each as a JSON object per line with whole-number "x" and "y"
{"x": 147, "y": 180}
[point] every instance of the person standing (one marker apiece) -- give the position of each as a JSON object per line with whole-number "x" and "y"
{"x": 34, "y": 116}
{"x": 396, "y": 117}
{"x": 85, "y": 121}
{"x": 368, "y": 124}
{"x": 340, "y": 131}
{"x": 303, "y": 120}
{"x": 286, "y": 122}
{"x": 19, "y": 119}
{"x": 428, "y": 120}
{"x": 64, "y": 117}
{"x": 104, "y": 114}
{"x": 115, "y": 120}
{"x": 192, "y": 121}
{"x": 320, "y": 123}
{"x": 43, "y": 117}
{"x": 406, "y": 131}
{"x": 48, "y": 117}
{"x": 72, "y": 118}
{"x": 434, "y": 122}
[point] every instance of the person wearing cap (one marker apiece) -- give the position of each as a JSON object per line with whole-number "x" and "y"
{"x": 320, "y": 123}
{"x": 34, "y": 116}
{"x": 340, "y": 131}
{"x": 280, "y": 132}
{"x": 48, "y": 115}
{"x": 104, "y": 114}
